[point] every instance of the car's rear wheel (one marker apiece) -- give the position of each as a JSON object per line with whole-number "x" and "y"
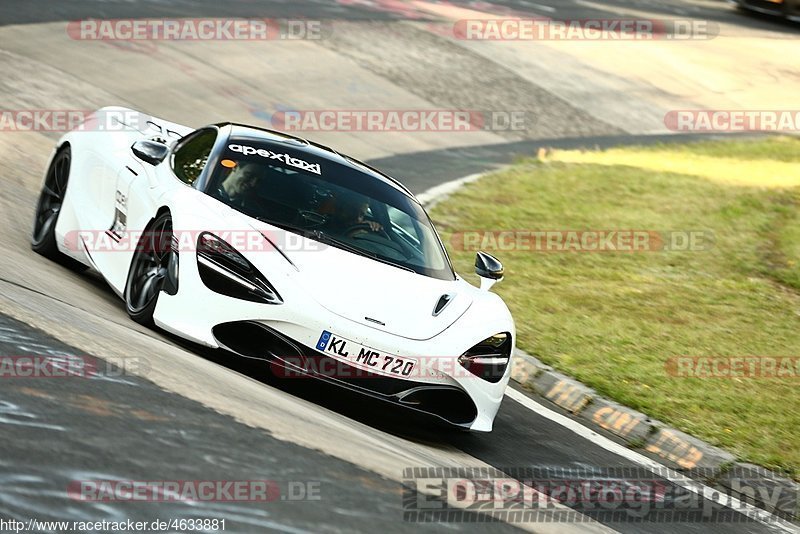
{"x": 48, "y": 208}
{"x": 153, "y": 269}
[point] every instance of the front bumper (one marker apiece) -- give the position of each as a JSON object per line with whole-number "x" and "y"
{"x": 291, "y": 359}
{"x": 196, "y": 313}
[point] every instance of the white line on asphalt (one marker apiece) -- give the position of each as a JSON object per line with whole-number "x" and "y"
{"x": 436, "y": 194}
{"x": 751, "y": 511}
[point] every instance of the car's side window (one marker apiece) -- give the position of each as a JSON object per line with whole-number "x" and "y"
{"x": 191, "y": 155}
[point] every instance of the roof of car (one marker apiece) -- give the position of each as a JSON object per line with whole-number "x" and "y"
{"x": 315, "y": 149}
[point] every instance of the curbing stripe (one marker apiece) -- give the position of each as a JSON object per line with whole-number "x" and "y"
{"x": 635, "y": 428}
{"x": 563, "y": 391}
{"x": 685, "y": 451}
{"x": 619, "y": 420}
{"x": 525, "y": 367}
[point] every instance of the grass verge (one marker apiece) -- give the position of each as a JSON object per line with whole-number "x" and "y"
{"x": 614, "y": 320}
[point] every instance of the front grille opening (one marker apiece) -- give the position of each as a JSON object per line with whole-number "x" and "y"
{"x": 449, "y": 403}
{"x": 255, "y": 340}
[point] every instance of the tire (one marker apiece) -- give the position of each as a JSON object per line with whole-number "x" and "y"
{"x": 48, "y": 209}
{"x": 153, "y": 266}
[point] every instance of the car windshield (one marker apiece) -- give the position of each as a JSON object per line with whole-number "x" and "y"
{"x": 328, "y": 202}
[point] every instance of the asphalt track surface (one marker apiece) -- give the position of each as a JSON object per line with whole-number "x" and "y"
{"x": 197, "y": 414}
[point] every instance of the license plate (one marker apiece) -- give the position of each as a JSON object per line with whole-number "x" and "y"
{"x": 362, "y": 356}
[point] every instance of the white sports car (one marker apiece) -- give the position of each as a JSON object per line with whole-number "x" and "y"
{"x": 275, "y": 247}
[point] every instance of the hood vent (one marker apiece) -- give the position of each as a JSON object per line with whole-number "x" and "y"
{"x": 442, "y": 303}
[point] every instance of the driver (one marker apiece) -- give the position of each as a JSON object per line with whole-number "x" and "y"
{"x": 350, "y": 216}
{"x": 237, "y": 187}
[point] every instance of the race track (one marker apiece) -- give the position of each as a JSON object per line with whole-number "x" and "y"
{"x": 192, "y": 413}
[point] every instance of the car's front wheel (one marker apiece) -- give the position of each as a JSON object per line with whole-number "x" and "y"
{"x": 153, "y": 268}
{"x": 48, "y": 208}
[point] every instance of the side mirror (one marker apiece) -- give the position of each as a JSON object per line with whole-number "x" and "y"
{"x": 489, "y": 269}
{"x": 150, "y": 151}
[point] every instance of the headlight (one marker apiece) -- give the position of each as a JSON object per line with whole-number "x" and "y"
{"x": 224, "y": 270}
{"x": 489, "y": 358}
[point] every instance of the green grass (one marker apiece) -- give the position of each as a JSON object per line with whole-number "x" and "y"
{"x": 613, "y": 319}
